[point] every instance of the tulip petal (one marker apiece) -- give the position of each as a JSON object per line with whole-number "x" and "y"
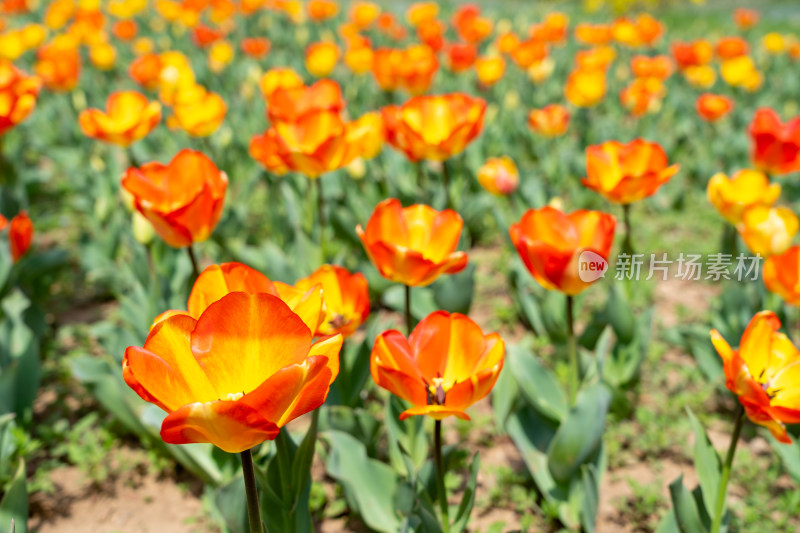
{"x": 438, "y": 412}
{"x": 756, "y": 342}
{"x": 218, "y": 280}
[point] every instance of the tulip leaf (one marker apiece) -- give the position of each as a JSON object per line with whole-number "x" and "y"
{"x": 230, "y": 500}
{"x": 468, "y": 499}
{"x": 580, "y": 433}
{"x": 789, "y": 454}
{"x": 304, "y": 456}
{"x": 422, "y": 301}
{"x": 356, "y": 422}
{"x": 620, "y": 315}
{"x": 707, "y": 462}
{"x": 454, "y": 293}
{"x": 504, "y": 395}
{"x": 538, "y": 385}
{"x": 590, "y": 502}
{"x": 668, "y": 524}
{"x": 369, "y": 485}
{"x": 405, "y": 436}
{"x": 684, "y": 505}
{"x": 14, "y": 505}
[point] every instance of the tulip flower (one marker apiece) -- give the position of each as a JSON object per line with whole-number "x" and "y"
{"x": 434, "y": 127}
{"x": 103, "y": 56}
{"x": 586, "y": 88}
{"x": 412, "y": 69}
{"x": 550, "y": 121}
{"x": 745, "y": 18}
{"x": 768, "y": 230}
{"x": 594, "y": 34}
{"x": 659, "y": 67}
{"x": 461, "y": 56}
{"x": 507, "y": 42}
{"x": 359, "y": 56}
{"x": 774, "y": 43}
{"x": 597, "y": 58}
{"x": 741, "y": 72}
{"x": 265, "y": 149}
{"x": 692, "y": 54}
{"x": 420, "y": 13}
{"x": 204, "y": 36}
{"x": 445, "y": 365}
{"x": 256, "y": 47}
{"x": 499, "y": 176}
{"x": 220, "y": 55}
{"x": 782, "y": 275}
{"x": 701, "y": 76}
{"x": 745, "y": 189}
{"x": 320, "y": 10}
{"x": 776, "y": 146}
{"x": 146, "y": 70}
{"x": 288, "y": 101}
{"x": 58, "y": 64}
{"x": 413, "y": 245}
{"x": 128, "y": 118}
{"x": 731, "y": 47}
{"x": 764, "y": 372}
{"x": 18, "y": 94}
{"x": 626, "y": 173}
{"x": 345, "y": 297}
{"x": 529, "y": 52}
{"x": 557, "y": 249}
{"x": 125, "y": 30}
{"x": 363, "y": 14}
{"x": 642, "y": 96}
{"x": 20, "y": 234}
{"x": 198, "y": 111}
{"x": 553, "y": 28}
{"x": 712, "y": 107}
{"x": 183, "y": 199}
{"x": 321, "y": 58}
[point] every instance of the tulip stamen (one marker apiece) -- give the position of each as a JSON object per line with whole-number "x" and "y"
{"x": 435, "y": 391}
{"x": 338, "y": 321}
{"x": 234, "y": 396}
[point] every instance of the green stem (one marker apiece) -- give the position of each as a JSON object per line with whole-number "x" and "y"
{"x": 321, "y": 216}
{"x": 409, "y": 318}
{"x": 193, "y": 259}
{"x": 253, "y": 512}
{"x": 627, "y": 245}
{"x": 437, "y": 448}
{"x": 421, "y": 178}
{"x": 722, "y": 491}
{"x": 446, "y": 183}
{"x": 574, "y": 370}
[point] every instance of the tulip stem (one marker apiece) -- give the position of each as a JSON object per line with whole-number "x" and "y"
{"x": 253, "y": 511}
{"x": 627, "y": 244}
{"x": 722, "y": 490}
{"x": 446, "y": 182}
{"x": 409, "y": 318}
{"x": 421, "y": 178}
{"x": 321, "y": 217}
{"x": 574, "y": 370}
{"x": 437, "y": 449}
{"x": 193, "y": 259}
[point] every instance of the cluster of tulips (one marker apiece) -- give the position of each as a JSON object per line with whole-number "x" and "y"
{"x": 249, "y": 354}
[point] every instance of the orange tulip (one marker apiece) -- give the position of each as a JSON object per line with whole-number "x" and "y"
{"x": 625, "y": 173}
{"x": 20, "y": 234}
{"x": 125, "y": 30}
{"x": 643, "y": 95}
{"x": 499, "y": 176}
{"x": 200, "y": 112}
{"x": 594, "y": 34}
{"x": 279, "y": 78}
{"x": 321, "y": 58}
{"x": 103, "y": 55}
{"x": 235, "y": 375}
{"x": 490, "y": 70}
{"x": 265, "y": 149}
{"x": 745, "y": 18}
{"x": 58, "y": 64}
{"x": 363, "y": 14}
{"x": 551, "y": 120}
{"x": 183, "y": 200}
{"x": 129, "y": 118}
{"x": 741, "y": 72}
{"x": 768, "y": 230}
{"x": 745, "y": 189}
{"x": 220, "y": 55}
{"x": 553, "y": 28}
{"x": 782, "y": 275}
{"x": 776, "y": 146}
{"x": 586, "y": 88}
{"x": 644, "y": 30}
{"x": 146, "y": 70}
{"x": 290, "y": 102}
{"x": 420, "y": 13}
{"x": 204, "y": 36}
{"x": 700, "y": 76}
{"x": 731, "y": 47}
{"x": 506, "y": 42}
{"x": 432, "y": 34}
{"x": 764, "y": 372}
{"x": 461, "y": 56}
{"x": 551, "y": 243}
{"x": 446, "y": 365}
{"x": 528, "y": 52}
{"x": 692, "y": 54}
{"x": 412, "y": 69}
{"x": 345, "y": 297}
{"x": 469, "y": 25}
{"x": 659, "y": 67}
{"x": 18, "y": 95}
{"x": 319, "y": 10}
{"x": 597, "y": 58}
{"x": 413, "y": 245}
{"x": 256, "y": 47}
{"x": 712, "y": 107}
{"x": 359, "y": 56}
{"x": 434, "y": 127}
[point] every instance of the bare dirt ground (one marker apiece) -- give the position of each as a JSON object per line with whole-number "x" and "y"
{"x": 143, "y": 502}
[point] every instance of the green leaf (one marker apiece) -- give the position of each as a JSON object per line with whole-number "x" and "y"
{"x": 685, "y": 508}
{"x": 789, "y": 454}
{"x": 468, "y": 499}
{"x": 620, "y": 314}
{"x": 405, "y": 436}
{"x": 422, "y": 300}
{"x": 707, "y": 463}
{"x": 14, "y": 505}
{"x": 538, "y": 385}
{"x": 580, "y": 433}
{"x": 454, "y": 293}
{"x": 504, "y": 396}
{"x": 590, "y": 497}
{"x": 230, "y": 500}
{"x": 301, "y": 462}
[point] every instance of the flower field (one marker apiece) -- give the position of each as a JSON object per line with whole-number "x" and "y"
{"x": 438, "y": 267}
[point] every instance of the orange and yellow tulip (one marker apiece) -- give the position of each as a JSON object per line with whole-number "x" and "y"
{"x": 586, "y": 88}
{"x": 256, "y": 47}
{"x": 446, "y": 365}
{"x": 125, "y": 30}
{"x": 745, "y": 18}
{"x": 594, "y": 34}
{"x": 235, "y": 375}
{"x": 776, "y": 146}
{"x": 279, "y": 78}
{"x": 321, "y": 58}
{"x": 745, "y": 189}
{"x": 700, "y": 76}
{"x": 692, "y": 54}
{"x": 289, "y": 102}
{"x": 550, "y": 244}
{"x": 469, "y": 25}
{"x": 420, "y": 13}
{"x": 625, "y": 173}
{"x": 412, "y": 69}
{"x": 434, "y": 127}
{"x": 20, "y": 234}
{"x": 183, "y": 199}
{"x": 345, "y": 298}
{"x": 550, "y": 121}
{"x": 461, "y": 56}
{"x": 731, "y": 47}
{"x": 320, "y": 10}
{"x": 782, "y": 275}
{"x": 146, "y": 70}
{"x": 768, "y": 230}
{"x": 265, "y": 149}
{"x": 413, "y": 245}
{"x": 199, "y": 112}
{"x": 220, "y": 55}
{"x": 128, "y": 118}
{"x": 58, "y": 64}
{"x": 712, "y": 107}
{"x": 363, "y": 14}
{"x": 499, "y": 176}
{"x": 18, "y": 95}
{"x": 659, "y": 67}
{"x": 643, "y": 95}
{"x": 490, "y": 70}
{"x": 741, "y": 72}
{"x": 359, "y": 55}
{"x": 764, "y": 372}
